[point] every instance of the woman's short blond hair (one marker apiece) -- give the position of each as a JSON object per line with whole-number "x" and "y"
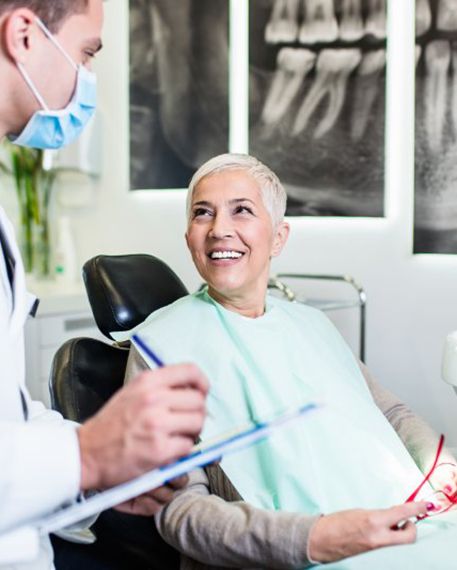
{"x": 273, "y": 193}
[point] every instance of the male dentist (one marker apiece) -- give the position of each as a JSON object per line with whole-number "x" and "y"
{"x": 47, "y": 95}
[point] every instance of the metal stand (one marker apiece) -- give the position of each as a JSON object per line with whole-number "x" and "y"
{"x": 276, "y": 283}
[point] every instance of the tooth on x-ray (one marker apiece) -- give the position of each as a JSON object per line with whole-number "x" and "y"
{"x": 351, "y": 24}
{"x": 366, "y": 90}
{"x": 292, "y": 67}
{"x": 333, "y": 68}
{"x": 454, "y": 88}
{"x": 417, "y": 53}
{"x": 283, "y": 24}
{"x": 446, "y": 19}
{"x": 376, "y": 19}
{"x": 319, "y": 22}
{"x": 437, "y": 60}
{"x": 423, "y": 17}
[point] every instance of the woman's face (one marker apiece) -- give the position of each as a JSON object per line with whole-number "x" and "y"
{"x": 231, "y": 236}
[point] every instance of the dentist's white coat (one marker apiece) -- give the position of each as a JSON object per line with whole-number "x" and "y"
{"x": 39, "y": 458}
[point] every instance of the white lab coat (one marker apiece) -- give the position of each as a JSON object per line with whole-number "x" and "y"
{"x": 39, "y": 458}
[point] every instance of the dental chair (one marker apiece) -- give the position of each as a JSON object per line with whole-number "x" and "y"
{"x": 123, "y": 290}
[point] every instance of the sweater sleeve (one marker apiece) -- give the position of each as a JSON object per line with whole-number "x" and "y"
{"x": 135, "y": 365}
{"x": 418, "y": 437}
{"x": 233, "y": 534}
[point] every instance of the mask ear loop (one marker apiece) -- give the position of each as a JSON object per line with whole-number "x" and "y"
{"x": 51, "y": 37}
{"x": 26, "y": 76}
{"x": 32, "y": 87}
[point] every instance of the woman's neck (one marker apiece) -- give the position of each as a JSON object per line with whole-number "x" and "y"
{"x": 252, "y": 305}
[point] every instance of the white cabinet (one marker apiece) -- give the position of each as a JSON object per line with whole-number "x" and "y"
{"x": 64, "y": 313}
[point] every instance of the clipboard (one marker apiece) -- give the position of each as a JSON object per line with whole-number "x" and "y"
{"x": 156, "y": 478}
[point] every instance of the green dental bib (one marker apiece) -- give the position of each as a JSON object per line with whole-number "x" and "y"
{"x": 346, "y": 455}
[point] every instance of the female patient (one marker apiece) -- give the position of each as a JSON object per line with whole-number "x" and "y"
{"x": 321, "y": 490}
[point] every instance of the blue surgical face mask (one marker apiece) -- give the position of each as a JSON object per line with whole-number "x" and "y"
{"x": 48, "y": 129}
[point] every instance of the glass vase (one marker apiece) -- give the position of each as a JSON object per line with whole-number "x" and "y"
{"x": 34, "y": 189}
{"x": 42, "y": 246}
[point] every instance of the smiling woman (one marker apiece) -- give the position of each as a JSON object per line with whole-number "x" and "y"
{"x": 235, "y": 227}
{"x": 263, "y": 508}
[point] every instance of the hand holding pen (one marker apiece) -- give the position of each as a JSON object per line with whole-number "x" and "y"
{"x": 152, "y": 421}
{"x": 151, "y": 502}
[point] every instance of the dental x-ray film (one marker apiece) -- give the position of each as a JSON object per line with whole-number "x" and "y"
{"x": 435, "y": 215}
{"x": 317, "y": 102}
{"x": 179, "y": 108}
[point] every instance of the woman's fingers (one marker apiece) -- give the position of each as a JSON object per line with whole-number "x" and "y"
{"x": 395, "y": 516}
{"x": 405, "y": 534}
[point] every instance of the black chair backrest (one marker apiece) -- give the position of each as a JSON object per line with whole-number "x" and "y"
{"x": 125, "y": 289}
{"x": 85, "y": 374}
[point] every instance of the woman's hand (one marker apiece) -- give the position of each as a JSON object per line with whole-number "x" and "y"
{"x": 348, "y": 533}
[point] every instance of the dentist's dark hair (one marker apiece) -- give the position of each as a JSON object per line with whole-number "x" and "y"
{"x": 52, "y": 12}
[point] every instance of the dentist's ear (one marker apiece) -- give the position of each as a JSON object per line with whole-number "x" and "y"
{"x": 280, "y": 238}
{"x": 20, "y": 31}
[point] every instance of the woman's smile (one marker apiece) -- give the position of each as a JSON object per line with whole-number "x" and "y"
{"x": 224, "y": 257}
{"x": 231, "y": 237}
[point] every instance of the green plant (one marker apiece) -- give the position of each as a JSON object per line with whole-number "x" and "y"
{"x": 33, "y": 184}
{"x": 34, "y": 173}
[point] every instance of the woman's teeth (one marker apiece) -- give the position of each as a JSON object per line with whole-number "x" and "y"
{"x": 225, "y": 255}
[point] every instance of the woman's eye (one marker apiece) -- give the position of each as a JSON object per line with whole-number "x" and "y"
{"x": 243, "y": 210}
{"x": 200, "y": 212}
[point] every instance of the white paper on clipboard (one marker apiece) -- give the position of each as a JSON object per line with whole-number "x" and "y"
{"x": 158, "y": 477}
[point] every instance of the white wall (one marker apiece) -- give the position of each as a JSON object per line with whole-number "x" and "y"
{"x": 411, "y": 299}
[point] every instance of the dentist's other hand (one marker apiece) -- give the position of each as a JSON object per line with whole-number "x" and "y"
{"x": 150, "y": 503}
{"x": 347, "y": 533}
{"x": 150, "y": 422}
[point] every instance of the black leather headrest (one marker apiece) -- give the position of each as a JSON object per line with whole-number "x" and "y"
{"x": 125, "y": 289}
{"x": 85, "y": 374}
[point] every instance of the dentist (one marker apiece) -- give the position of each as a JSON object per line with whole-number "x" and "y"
{"x": 47, "y": 96}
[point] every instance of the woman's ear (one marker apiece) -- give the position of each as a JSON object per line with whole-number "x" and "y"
{"x": 19, "y": 33}
{"x": 280, "y": 238}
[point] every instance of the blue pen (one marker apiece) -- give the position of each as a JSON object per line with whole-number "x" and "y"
{"x": 152, "y": 355}
{"x": 145, "y": 348}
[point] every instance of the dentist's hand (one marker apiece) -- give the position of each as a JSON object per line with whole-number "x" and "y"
{"x": 347, "y": 533}
{"x": 152, "y": 421}
{"x": 150, "y": 503}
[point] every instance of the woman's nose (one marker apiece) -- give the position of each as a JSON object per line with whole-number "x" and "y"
{"x": 221, "y": 227}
